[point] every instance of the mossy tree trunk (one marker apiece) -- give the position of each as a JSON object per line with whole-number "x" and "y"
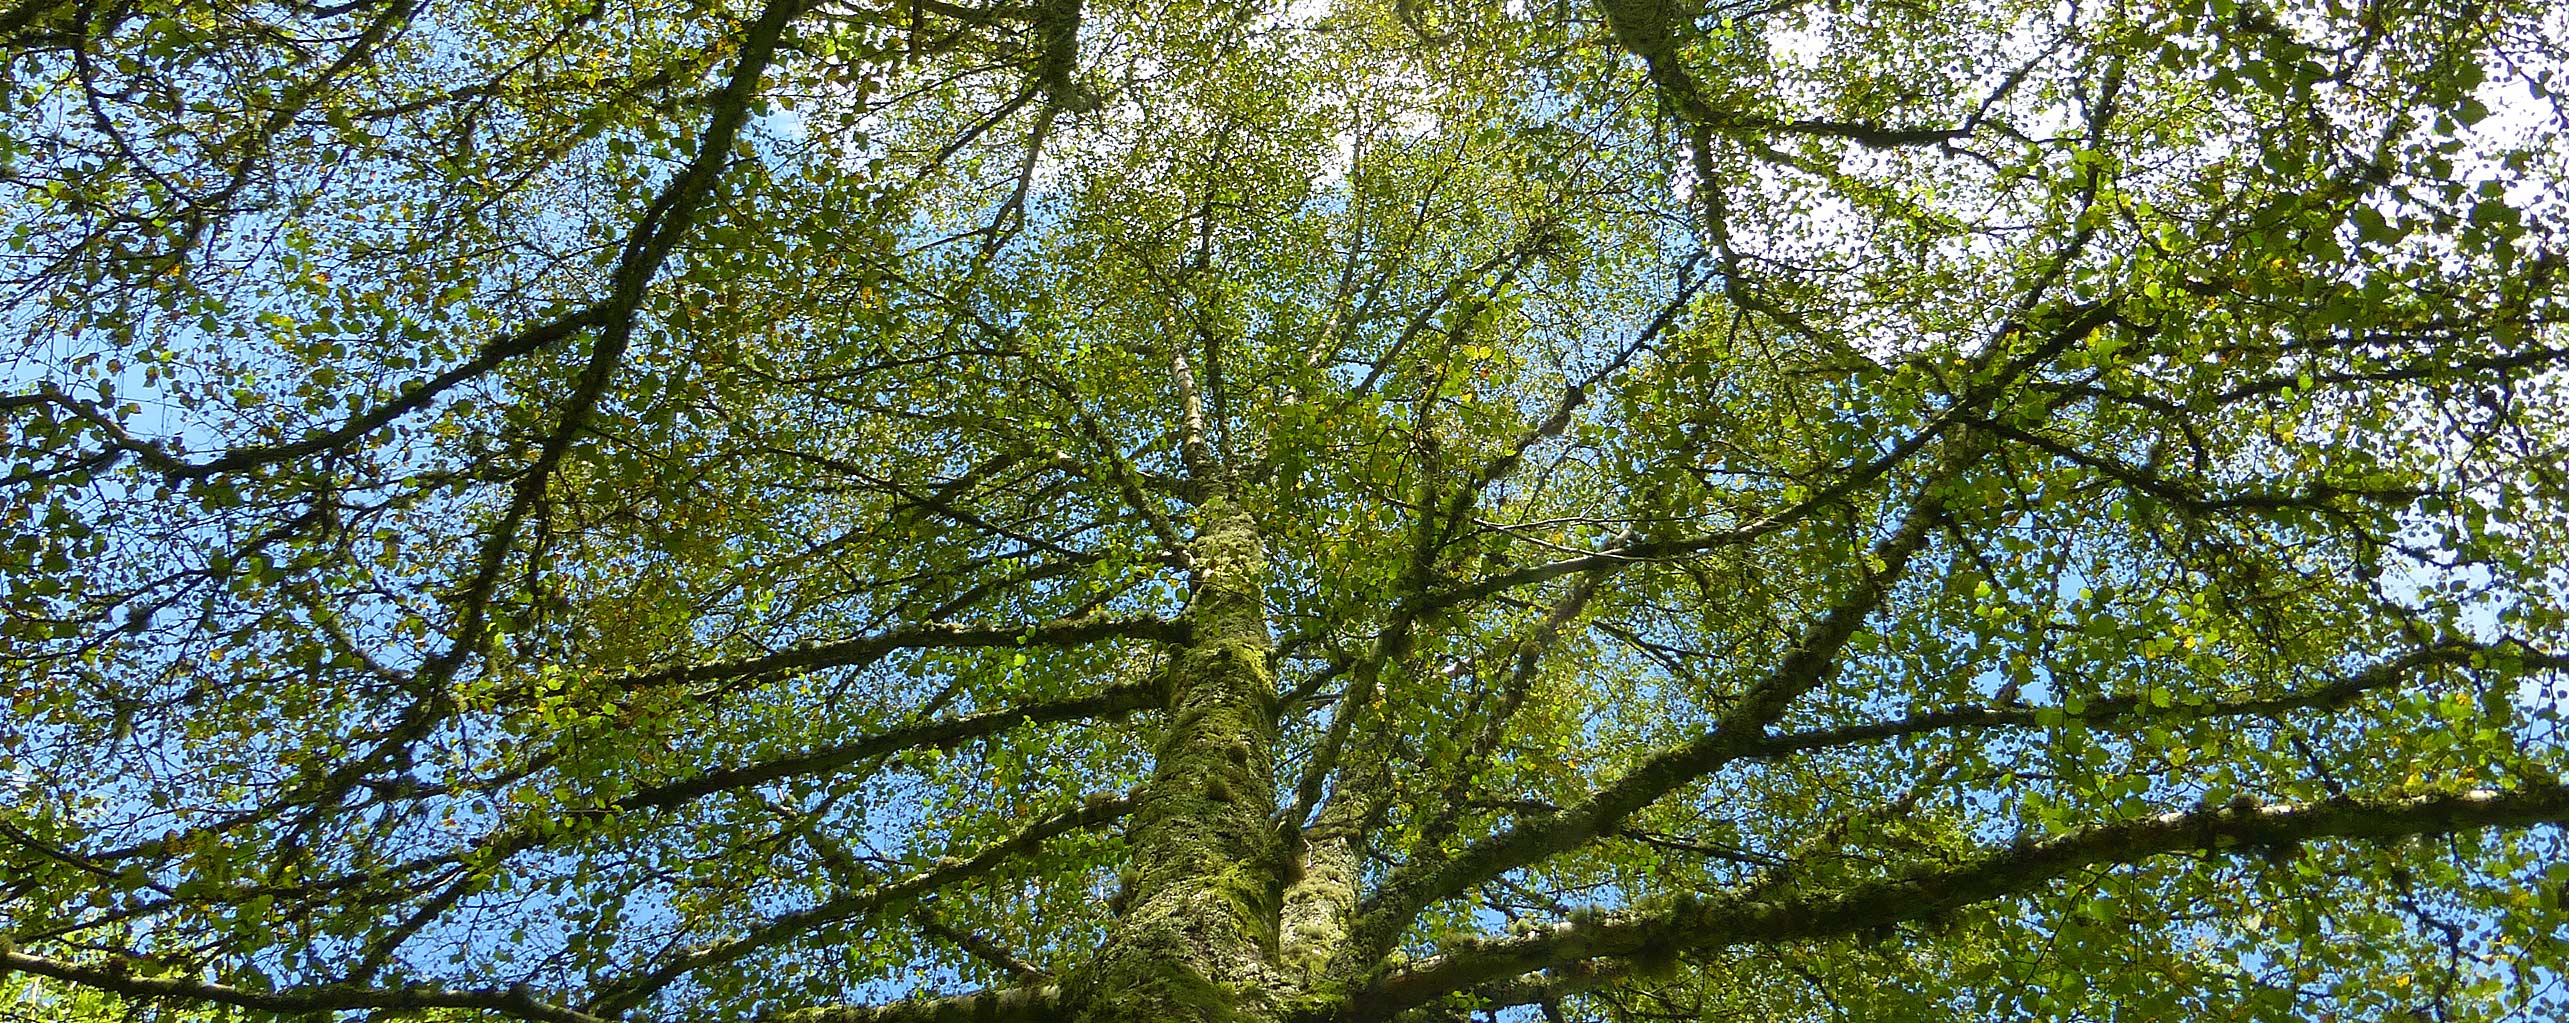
{"x": 1196, "y": 939}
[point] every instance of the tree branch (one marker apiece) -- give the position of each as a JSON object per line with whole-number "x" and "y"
{"x": 1810, "y": 660}
{"x": 2111, "y": 710}
{"x": 847, "y": 867}
{"x": 1965, "y": 408}
{"x": 1006, "y": 1005}
{"x": 975, "y": 945}
{"x": 941, "y": 734}
{"x": 500, "y": 845}
{"x": 865, "y": 650}
{"x": 615, "y": 998}
{"x": 514, "y": 1002}
{"x": 1754, "y": 916}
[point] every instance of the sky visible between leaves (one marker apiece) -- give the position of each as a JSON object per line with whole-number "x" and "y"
{"x": 2515, "y": 115}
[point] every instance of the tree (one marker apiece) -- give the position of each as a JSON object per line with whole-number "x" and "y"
{"x": 867, "y": 511}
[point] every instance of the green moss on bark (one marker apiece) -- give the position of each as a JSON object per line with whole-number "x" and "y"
{"x": 1197, "y": 940}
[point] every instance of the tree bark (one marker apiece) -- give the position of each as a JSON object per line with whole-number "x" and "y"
{"x": 1197, "y": 932}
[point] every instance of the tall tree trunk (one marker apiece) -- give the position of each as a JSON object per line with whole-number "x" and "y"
{"x": 1198, "y": 930}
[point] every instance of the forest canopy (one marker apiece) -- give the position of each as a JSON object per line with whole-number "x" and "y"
{"x": 838, "y": 511}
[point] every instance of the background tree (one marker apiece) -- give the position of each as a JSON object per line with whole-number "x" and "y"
{"x": 827, "y": 510}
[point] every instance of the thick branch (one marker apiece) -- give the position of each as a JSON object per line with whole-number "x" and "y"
{"x": 1414, "y": 598}
{"x": 865, "y": 650}
{"x": 1968, "y": 406}
{"x": 663, "y": 223}
{"x": 514, "y": 1002}
{"x": 975, "y": 945}
{"x": 1753, "y": 917}
{"x": 413, "y": 398}
{"x": 1194, "y": 444}
{"x": 2113, "y": 710}
{"x": 2320, "y": 494}
{"x": 1009, "y": 1005}
{"x": 1810, "y": 661}
{"x": 943, "y": 734}
{"x": 1097, "y": 810}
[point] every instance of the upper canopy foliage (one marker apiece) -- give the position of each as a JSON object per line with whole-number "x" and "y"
{"x": 704, "y": 509}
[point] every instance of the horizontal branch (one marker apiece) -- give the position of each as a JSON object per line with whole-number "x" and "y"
{"x": 415, "y": 396}
{"x": 2444, "y": 364}
{"x": 1006, "y": 1005}
{"x": 1753, "y": 917}
{"x": 863, "y": 651}
{"x": 2112, "y": 710}
{"x": 1855, "y": 478}
{"x": 515, "y": 1002}
{"x": 1871, "y": 136}
{"x": 2320, "y": 494}
{"x": 941, "y": 734}
{"x": 1094, "y": 811}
